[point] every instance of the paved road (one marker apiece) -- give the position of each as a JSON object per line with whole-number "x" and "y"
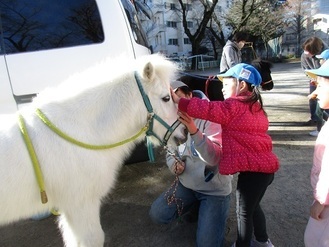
{"x": 125, "y": 213}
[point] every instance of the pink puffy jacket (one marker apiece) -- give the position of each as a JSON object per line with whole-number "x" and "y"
{"x": 320, "y": 169}
{"x": 246, "y": 144}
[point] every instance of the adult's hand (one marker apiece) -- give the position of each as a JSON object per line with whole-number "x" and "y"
{"x": 179, "y": 167}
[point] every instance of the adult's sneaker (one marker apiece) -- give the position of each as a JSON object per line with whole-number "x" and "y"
{"x": 255, "y": 243}
{"x": 314, "y": 133}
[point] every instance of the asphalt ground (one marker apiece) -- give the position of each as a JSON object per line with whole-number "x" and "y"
{"x": 124, "y": 215}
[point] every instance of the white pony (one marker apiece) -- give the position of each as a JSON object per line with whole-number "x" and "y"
{"x": 100, "y": 106}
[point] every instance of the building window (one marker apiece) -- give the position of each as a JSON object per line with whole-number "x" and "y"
{"x": 190, "y": 24}
{"x": 157, "y": 39}
{"x": 290, "y": 37}
{"x": 188, "y": 6}
{"x": 187, "y": 41}
{"x": 173, "y": 42}
{"x": 172, "y": 6}
{"x": 172, "y": 24}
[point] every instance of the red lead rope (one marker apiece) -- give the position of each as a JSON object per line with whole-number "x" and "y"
{"x": 210, "y": 78}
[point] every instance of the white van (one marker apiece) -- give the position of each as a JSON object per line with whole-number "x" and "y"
{"x": 44, "y": 42}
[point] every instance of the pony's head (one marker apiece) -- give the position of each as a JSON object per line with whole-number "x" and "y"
{"x": 155, "y": 76}
{"x": 264, "y": 68}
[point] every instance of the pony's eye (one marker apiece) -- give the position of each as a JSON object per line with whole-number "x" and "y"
{"x": 166, "y": 98}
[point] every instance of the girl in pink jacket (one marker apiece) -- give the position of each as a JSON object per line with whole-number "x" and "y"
{"x": 247, "y": 148}
{"x": 317, "y": 229}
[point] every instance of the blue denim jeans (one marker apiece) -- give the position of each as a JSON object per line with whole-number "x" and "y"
{"x": 213, "y": 212}
{"x": 313, "y": 103}
{"x": 322, "y": 117}
{"x": 251, "y": 188}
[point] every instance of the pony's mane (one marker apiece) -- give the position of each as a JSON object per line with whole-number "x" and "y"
{"x": 258, "y": 62}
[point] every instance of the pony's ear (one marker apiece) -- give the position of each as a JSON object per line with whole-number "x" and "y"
{"x": 148, "y": 71}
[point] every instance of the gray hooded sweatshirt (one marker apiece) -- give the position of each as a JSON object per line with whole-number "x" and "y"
{"x": 231, "y": 56}
{"x": 202, "y": 151}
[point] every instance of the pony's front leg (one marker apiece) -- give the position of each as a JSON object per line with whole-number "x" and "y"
{"x": 81, "y": 226}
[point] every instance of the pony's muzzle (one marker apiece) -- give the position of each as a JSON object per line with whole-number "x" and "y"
{"x": 182, "y": 137}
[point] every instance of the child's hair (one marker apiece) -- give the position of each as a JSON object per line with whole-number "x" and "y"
{"x": 254, "y": 97}
{"x": 185, "y": 90}
{"x": 313, "y": 45}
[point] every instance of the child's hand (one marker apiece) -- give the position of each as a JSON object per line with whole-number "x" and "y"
{"x": 185, "y": 119}
{"x": 312, "y": 96}
{"x": 313, "y": 82}
{"x": 316, "y": 210}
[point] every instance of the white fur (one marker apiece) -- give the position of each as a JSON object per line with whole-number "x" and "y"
{"x": 100, "y": 106}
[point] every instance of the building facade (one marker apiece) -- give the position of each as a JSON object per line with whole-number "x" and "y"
{"x": 322, "y": 7}
{"x": 166, "y": 35}
{"x": 165, "y": 29}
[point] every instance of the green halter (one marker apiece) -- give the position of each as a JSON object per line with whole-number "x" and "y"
{"x": 151, "y": 117}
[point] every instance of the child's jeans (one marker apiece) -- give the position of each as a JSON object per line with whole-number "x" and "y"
{"x": 312, "y": 104}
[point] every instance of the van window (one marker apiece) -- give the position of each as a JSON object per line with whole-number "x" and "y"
{"x": 135, "y": 24}
{"x": 34, "y": 25}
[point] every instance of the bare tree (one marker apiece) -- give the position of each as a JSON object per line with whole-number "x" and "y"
{"x": 267, "y": 23}
{"x": 215, "y": 34}
{"x": 264, "y": 20}
{"x": 238, "y": 16}
{"x": 196, "y": 36}
{"x": 296, "y": 12}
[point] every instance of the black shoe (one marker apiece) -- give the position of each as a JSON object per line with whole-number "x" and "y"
{"x": 310, "y": 123}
